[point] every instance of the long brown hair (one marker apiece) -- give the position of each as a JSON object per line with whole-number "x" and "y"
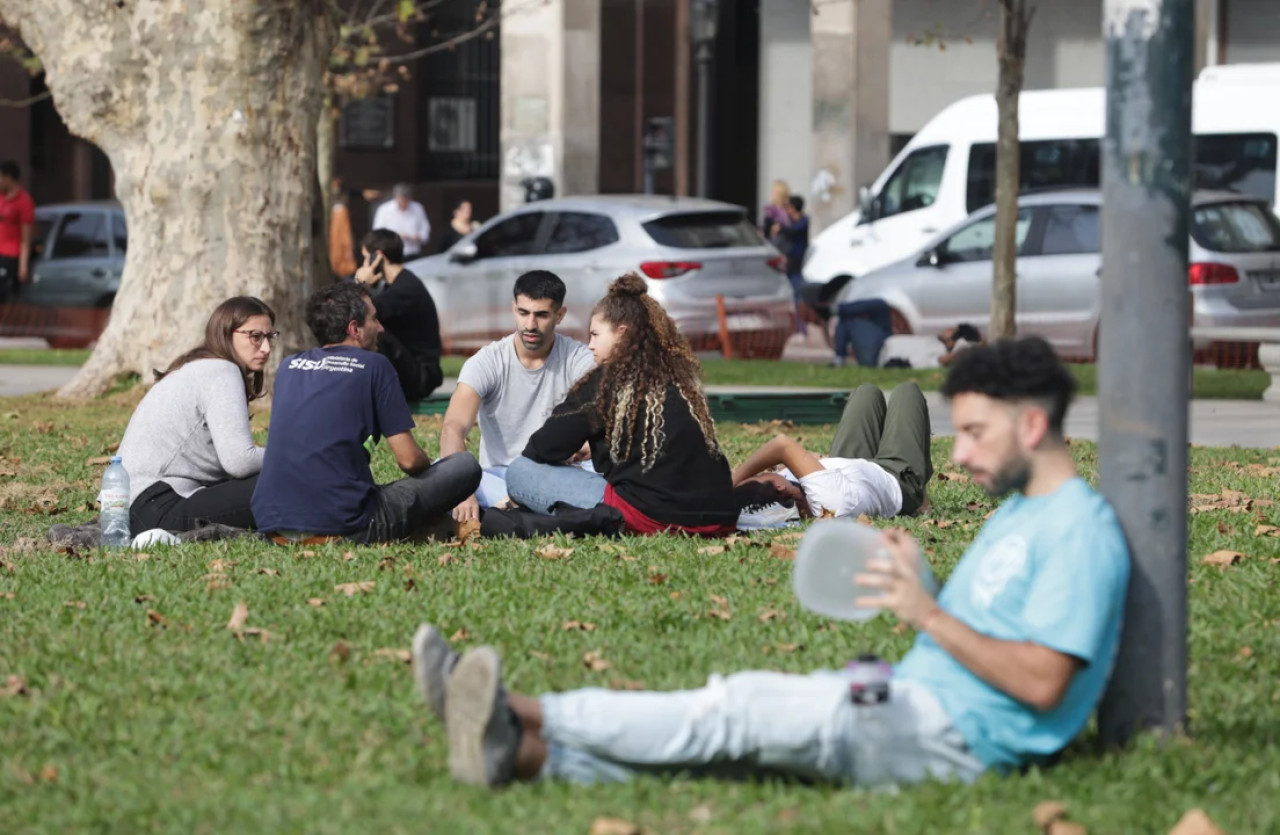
{"x": 650, "y": 356}
{"x": 225, "y": 319}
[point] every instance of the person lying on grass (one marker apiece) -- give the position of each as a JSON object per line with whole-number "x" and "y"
{"x": 643, "y": 415}
{"x": 878, "y": 463}
{"x": 1008, "y": 663}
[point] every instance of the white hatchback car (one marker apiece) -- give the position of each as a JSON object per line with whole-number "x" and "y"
{"x": 698, "y": 257}
{"x": 1234, "y": 273}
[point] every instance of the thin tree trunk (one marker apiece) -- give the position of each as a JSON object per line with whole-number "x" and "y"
{"x": 208, "y": 115}
{"x": 1011, "y": 50}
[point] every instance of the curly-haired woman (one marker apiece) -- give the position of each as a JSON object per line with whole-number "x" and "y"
{"x": 188, "y": 448}
{"x": 644, "y": 417}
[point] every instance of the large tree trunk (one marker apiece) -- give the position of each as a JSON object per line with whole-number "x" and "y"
{"x": 1011, "y": 50}
{"x": 208, "y": 114}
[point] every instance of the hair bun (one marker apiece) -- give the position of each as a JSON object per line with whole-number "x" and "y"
{"x": 630, "y": 284}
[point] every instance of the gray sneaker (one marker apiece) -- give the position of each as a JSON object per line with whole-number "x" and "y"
{"x": 433, "y": 659}
{"x": 484, "y": 734}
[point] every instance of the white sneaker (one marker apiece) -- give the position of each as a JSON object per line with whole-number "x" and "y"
{"x": 768, "y": 516}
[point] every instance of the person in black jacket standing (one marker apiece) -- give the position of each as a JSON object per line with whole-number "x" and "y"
{"x": 644, "y": 419}
{"x": 411, "y": 339}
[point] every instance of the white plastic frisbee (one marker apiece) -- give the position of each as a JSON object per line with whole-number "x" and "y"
{"x": 831, "y": 554}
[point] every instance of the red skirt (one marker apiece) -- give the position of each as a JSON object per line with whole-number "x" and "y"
{"x": 638, "y": 522}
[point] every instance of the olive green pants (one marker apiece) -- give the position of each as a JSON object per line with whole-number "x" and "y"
{"x": 895, "y": 436}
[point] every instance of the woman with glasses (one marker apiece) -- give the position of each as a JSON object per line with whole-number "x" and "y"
{"x": 188, "y": 448}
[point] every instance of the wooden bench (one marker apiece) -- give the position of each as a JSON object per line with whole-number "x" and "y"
{"x": 1268, "y": 340}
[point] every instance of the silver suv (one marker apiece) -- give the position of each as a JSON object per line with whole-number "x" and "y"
{"x": 692, "y": 252}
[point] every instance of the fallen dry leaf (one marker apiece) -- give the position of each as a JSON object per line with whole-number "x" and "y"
{"x": 352, "y": 589}
{"x": 446, "y": 558}
{"x": 157, "y": 619}
{"x": 1266, "y": 530}
{"x": 767, "y": 615}
{"x": 676, "y": 595}
{"x": 781, "y": 648}
{"x": 348, "y": 556}
{"x": 141, "y": 556}
{"x": 1195, "y": 822}
{"x": 625, "y": 684}
{"x": 315, "y": 601}
{"x": 401, "y": 655}
{"x": 863, "y": 519}
{"x": 625, "y": 558}
{"x": 701, "y": 814}
{"x": 468, "y": 530}
{"x": 1061, "y": 827}
{"x": 553, "y": 552}
{"x": 782, "y": 552}
{"x": 657, "y": 579}
{"x": 340, "y": 653}
{"x": 593, "y": 662}
{"x": 1047, "y": 812}
{"x": 711, "y": 550}
{"x": 270, "y": 572}
{"x": 14, "y": 686}
{"x": 1222, "y": 559}
{"x": 788, "y": 537}
{"x": 253, "y": 632}
{"x": 143, "y": 598}
{"x": 98, "y": 460}
{"x": 613, "y": 826}
{"x": 1245, "y": 652}
{"x": 74, "y": 604}
{"x": 570, "y": 625}
{"x": 461, "y": 635}
{"x": 5, "y": 565}
{"x": 239, "y": 616}
{"x": 307, "y": 554}
{"x": 49, "y": 774}
{"x": 7, "y": 595}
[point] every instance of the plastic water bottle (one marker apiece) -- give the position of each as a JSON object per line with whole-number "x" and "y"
{"x": 115, "y": 505}
{"x": 869, "y": 680}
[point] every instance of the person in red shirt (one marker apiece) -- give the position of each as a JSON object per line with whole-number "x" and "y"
{"x": 17, "y": 220}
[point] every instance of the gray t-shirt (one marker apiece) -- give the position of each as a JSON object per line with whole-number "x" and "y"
{"x": 515, "y": 401}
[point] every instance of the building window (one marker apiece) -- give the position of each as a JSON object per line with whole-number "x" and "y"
{"x": 460, "y": 98}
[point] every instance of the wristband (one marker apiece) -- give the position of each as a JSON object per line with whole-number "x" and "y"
{"x": 929, "y": 617}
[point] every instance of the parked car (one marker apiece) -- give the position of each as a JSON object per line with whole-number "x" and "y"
{"x": 691, "y": 252}
{"x": 1234, "y": 272}
{"x": 78, "y": 254}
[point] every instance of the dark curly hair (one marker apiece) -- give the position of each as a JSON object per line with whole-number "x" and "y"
{"x": 330, "y": 309}
{"x": 1014, "y": 370}
{"x": 651, "y": 356}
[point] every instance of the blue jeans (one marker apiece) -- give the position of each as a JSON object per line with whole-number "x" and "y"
{"x": 802, "y": 725}
{"x": 539, "y": 487}
{"x": 492, "y": 491}
{"x": 862, "y": 326}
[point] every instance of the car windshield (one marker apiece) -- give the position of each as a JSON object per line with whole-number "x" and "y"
{"x": 1236, "y": 227}
{"x": 704, "y": 230}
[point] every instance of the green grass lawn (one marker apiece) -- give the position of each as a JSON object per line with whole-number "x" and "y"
{"x": 139, "y": 711}
{"x": 1209, "y": 383}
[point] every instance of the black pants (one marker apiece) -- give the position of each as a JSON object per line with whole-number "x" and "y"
{"x": 418, "y": 504}
{"x": 226, "y": 503}
{"x": 896, "y": 437}
{"x": 8, "y": 279}
{"x": 419, "y": 376}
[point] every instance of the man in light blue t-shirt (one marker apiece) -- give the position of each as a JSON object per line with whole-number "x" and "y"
{"x": 1009, "y": 661}
{"x": 511, "y": 386}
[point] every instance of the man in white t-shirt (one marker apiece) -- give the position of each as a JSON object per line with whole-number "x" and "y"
{"x": 511, "y": 386}
{"x": 911, "y": 351}
{"x": 406, "y": 217}
{"x": 878, "y": 463}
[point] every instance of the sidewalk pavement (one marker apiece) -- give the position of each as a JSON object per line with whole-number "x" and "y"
{"x": 1245, "y": 423}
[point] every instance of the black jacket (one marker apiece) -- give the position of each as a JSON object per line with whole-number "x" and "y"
{"x": 687, "y": 485}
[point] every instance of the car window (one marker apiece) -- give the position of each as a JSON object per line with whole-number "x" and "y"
{"x": 1050, "y": 164}
{"x": 1235, "y": 227}
{"x": 1239, "y": 162}
{"x": 119, "y": 233}
{"x": 1070, "y": 230}
{"x": 45, "y": 224}
{"x": 581, "y": 232}
{"x": 514, "y": 236}
{"x": 704, "y": 230}
{"x": 976, "y": 241}
{"x": 914, "y": 184}
{"x": 83, "y": 235}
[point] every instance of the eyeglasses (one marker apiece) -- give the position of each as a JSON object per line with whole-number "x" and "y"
{"x": 256, "y": 337}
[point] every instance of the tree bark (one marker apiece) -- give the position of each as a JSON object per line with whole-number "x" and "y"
{"x": 1011, "y": 51}
{"x": 208, "y": 115}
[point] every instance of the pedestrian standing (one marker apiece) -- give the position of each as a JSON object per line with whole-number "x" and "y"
{"x": 406, "y": 217}
{"x": 17, "y": 224}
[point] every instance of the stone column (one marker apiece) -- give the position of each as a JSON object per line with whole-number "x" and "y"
{"x": 786, "y": 97}
{"x": 551, "y": 98}
{"x": 851, "y": 40}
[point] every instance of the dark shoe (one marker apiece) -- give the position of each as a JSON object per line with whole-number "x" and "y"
{"x": 484, "y": 734}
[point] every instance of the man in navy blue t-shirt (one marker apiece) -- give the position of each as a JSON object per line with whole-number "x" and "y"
{"x": 331, "y": 406}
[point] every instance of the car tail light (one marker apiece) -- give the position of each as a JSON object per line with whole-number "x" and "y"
{"x": 668, "y": 269}
{"x": 1212, "y": 274}
{"x": 779, "y": 263}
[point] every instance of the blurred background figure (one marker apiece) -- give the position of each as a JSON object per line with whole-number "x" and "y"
{"x": 406, "y": 217}
{"x": 460, "y": 226}
{"x": 775, "y": 211}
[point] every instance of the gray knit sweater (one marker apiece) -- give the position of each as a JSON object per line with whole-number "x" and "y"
{"x": 191, "y": 430}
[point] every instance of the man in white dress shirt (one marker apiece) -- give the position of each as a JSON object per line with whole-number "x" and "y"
{"x": 406, "y": 217}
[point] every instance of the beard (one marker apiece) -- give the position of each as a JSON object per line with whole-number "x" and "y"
{"x": 1014, "y": 475}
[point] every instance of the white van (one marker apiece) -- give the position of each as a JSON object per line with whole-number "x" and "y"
{"x": 947, "y": 170}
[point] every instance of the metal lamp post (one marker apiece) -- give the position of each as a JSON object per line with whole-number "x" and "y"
{"x": 702, "y": 29}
